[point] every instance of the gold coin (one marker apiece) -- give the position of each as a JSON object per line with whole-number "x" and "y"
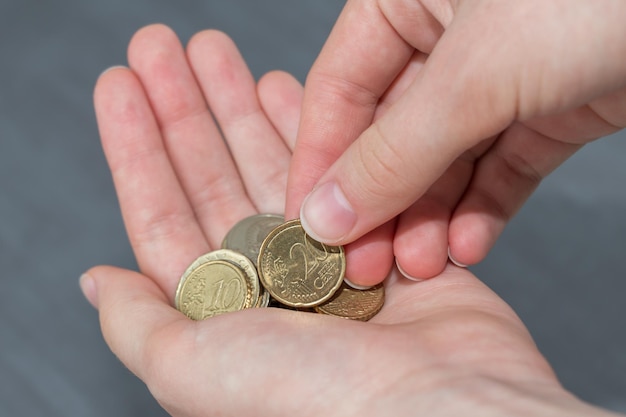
{"x": 354, "y": 304}
{"x": 297, "y": 270}
{"x": 217, "y": 282}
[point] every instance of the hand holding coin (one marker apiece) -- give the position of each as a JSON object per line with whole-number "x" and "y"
{"x": 181, "y": 189}
{"x": 291, "y": 268}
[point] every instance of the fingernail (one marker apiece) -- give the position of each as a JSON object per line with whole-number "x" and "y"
{"x": 88, "y": 287}
{"x": 405, "y": 275}
{"x": 357, "y": 286}
{"x": 326, "y": 214}
{"x": 454, "y": 261}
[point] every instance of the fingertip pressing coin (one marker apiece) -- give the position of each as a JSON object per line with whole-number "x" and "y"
{"x": 265, "y": 261}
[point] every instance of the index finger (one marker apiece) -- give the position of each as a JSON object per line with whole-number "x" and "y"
{"x": 362, "y": 56}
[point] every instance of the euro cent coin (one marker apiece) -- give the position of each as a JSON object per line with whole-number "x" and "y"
{"x": 354, "y": 304}
{"x": 297, "y": 270}
{"x": 248, "y": 234}
{"x": 218, "y": 282}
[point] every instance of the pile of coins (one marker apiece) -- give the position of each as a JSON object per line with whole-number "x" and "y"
{"x": 267, "y": 262}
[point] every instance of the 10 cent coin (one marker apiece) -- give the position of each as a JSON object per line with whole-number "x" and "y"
{"x": 218, "y": 282}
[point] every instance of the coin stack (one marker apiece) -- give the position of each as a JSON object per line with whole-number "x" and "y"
{"x": 265, "y": 261}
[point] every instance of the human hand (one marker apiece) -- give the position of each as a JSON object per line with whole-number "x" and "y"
{"x": 449, "y": 114}
{"x": 448, "y": 346}
{"x": 179, "y": 189}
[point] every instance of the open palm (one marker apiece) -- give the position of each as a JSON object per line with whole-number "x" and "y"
{"x": 194, "y": 145}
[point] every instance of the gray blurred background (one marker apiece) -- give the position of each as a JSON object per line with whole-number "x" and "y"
{"x": 559, "y": 263}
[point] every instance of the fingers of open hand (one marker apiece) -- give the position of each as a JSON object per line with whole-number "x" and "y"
{"x": 193, "y": 142}
{"x": 280, "y": 95}
{"x": 261, "y": 155}
{"x": 160, "y": 223}
{"x": 179, "y": 189}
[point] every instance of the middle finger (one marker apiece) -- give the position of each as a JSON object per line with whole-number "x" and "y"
{"x": 196, "y": 149}
{"x": 262, "y": 157}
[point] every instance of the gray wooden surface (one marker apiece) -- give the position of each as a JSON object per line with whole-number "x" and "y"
{"x": 559, "y": 263}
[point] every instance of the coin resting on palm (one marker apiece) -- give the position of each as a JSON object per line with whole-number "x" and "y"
{"x": 247, "y": 235}
{"x": 297, "y": 270}
{"x": 291, "y": 270}
{"x": 354, "y": 304}
{"x": 217, "y": 282}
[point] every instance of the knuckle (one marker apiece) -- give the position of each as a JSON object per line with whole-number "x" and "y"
{"x": 501, "y": 210}
{"x": 349, "y": 91}
{"x": 383, "y": 166}
{"x": 158, "y": 227}
{"x": 516, "y": 166}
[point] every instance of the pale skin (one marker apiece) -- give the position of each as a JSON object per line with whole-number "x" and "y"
{"x": 441, "y": 347}
{"x": 427, "y": 123}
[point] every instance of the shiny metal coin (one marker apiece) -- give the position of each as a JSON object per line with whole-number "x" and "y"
{"x": 354, "y": 304}
{"x": 297, "y": 270}
{"x": 218, "y": 282}
{"x": 248, "y": 234}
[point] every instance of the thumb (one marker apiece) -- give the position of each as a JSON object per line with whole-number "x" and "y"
{"x": 395, "y": 160}
{"x": 133, "y": 310}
